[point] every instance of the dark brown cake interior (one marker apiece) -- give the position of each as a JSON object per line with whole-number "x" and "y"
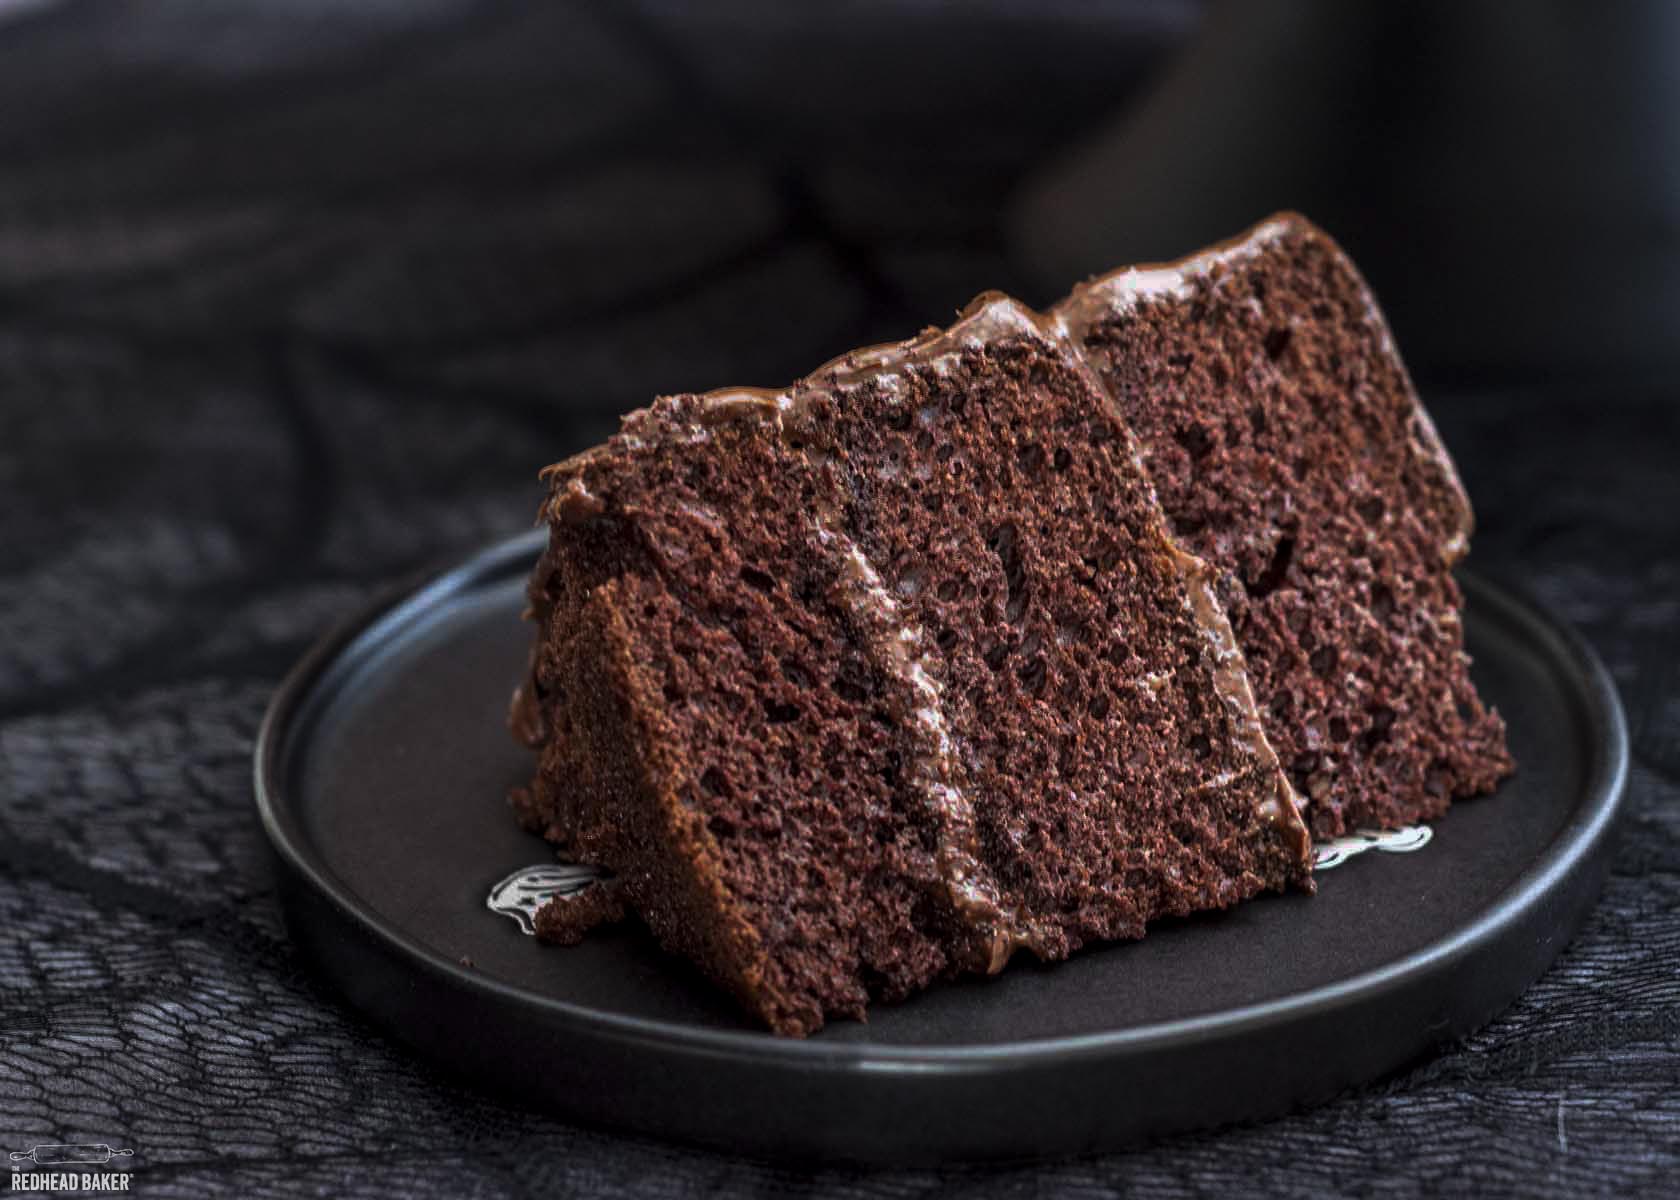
{"x": 695, "y": 602}
{"x": 1112, "y": 780}
{"x": 1289, "y": 450}
{"x": 893, "y": 673}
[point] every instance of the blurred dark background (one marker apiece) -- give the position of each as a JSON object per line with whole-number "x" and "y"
{"x": 297, "y": 296}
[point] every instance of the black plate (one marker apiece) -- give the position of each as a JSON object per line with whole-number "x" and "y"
{"x": 380, "y": 776}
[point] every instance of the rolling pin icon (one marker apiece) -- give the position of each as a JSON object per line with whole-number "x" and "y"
{"x": 56, "y": 1155}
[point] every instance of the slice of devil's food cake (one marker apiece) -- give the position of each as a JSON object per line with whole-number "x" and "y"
{"x": 883, "y": 677}
{"x": 1290, "y": 452}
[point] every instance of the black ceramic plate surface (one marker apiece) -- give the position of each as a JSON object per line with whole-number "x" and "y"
{"x": 381, "y": 774}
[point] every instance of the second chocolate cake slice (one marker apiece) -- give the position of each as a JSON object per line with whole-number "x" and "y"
{"x": 885, "y": 676}
{"x": 1291, "y": 452}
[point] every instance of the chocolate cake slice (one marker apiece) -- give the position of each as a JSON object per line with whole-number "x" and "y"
{"x": 1290, "y": 451}
{"x": 885, "y": 676}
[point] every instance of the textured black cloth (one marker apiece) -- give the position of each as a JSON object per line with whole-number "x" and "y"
{"x": 294, "y": 300}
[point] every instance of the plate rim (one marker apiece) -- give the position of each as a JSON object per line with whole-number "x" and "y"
{"x": 359, "y": 635}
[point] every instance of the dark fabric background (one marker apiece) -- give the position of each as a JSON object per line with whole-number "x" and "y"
{"x": 296, "y": 297}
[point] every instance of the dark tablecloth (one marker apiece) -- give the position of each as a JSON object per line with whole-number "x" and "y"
{"x": 295, "y": 298}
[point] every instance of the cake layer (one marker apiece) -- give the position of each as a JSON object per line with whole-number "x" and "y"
{"x": 1290, "y": 451}
{"x": 751, "y": 817}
